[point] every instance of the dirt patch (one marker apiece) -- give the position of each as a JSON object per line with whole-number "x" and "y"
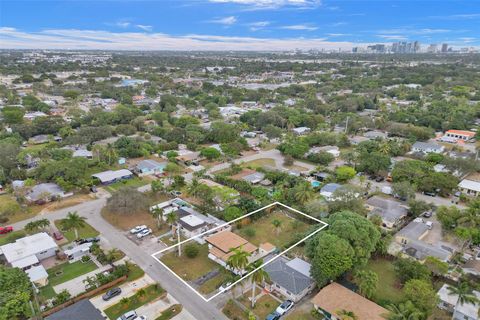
{"x": 128, "y": 221}
{"x": 67, "y": 202}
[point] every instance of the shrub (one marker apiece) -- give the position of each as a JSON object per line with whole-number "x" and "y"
{"x": 85, "y": 258}
{"x": 250, "y": 232}
{"x": 191, "y": 250}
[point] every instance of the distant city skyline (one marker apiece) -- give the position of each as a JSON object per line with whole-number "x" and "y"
{"x": 264, "y": 25}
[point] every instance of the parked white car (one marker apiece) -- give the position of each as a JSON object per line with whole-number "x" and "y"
{"x": 130, "y": 315}
{"x": 144, "y": 233}
{"x": 137, "y": 229}
{"x": 284, "y": 307}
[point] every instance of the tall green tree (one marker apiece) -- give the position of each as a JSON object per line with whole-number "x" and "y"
{"x": 367, "y": 281}
{"x": 73, "y": 221}
{"x": 464, "y": 292}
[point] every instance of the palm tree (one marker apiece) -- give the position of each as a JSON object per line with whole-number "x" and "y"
{"x": 111, "y": 255}
{"x": 464, "y": 292}
{"x": 258, "y": 276}
{"x": 193, "y": 188}
{"x": 384, "y": 148}
{"x": 171, "y": 220}
{"x": 157, "y": 213}
{"x": 303, "y": 193}
{"x": 43, "y": 223}
{"x": 238, "y": 260}
{"x": 404, "y": 311}
{"x": 141, "y": 293}
{"x": 73, "y": 221}
{"x": 277, "y": 224}
{"x": 346, "y": 315}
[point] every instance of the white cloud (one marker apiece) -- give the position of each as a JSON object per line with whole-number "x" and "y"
{"x": 306, "y": 27}
{"x": 11, "y": 38}
{"x": 144, "y": 27}
{"x": 338, "y": 24}
{"x": 392, "y": 36}
{"x": 273, "y": 4}
{"x": 457, "y": 16}
{"x": 228, "y": 21}
{"x": 414, "y": 31}
{"x": 122, "y": 24}
{"x": 255, "y": 26}
{"x": 338, "y": 34}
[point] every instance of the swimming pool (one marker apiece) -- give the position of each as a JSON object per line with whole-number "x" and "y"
{"x": 315, "y": 183}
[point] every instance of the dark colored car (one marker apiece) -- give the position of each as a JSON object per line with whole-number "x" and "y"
{"x": 427, "y": 214}
{"x": 92, "y": 240}
{"x": 57, "y": 235}
{"x": 430, "y": 193}
{"x": 111, "y": 293}
{"x": 273, "y": 316}
{"x": 379, "y": 179}
{"x": 5, "y": 230}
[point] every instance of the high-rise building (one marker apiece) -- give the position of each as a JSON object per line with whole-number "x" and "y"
{"x": 432, "y": 48}
{"x": 444, "y": 47}
{"x": 416, "y": 47}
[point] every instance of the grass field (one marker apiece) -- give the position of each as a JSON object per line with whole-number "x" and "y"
{"x": 389, "y": 286}
{"x": 190, "y": 268}
{"x": 133, "y": 182}
{"x": 68, "y": 271}
{"x": 260, "y": 163}
{"x": 213, "y": 284}
{"x": 150, "y": 293}
{"x": 266, "y": 232}
{"x": 86, "y": 232}
{"x": 171, "y": 312}
{"x": 47, "y": 292}
{"x": 263, "y": 307}
{"x": 11, "y": 237}
{"x": 232, "y": 311}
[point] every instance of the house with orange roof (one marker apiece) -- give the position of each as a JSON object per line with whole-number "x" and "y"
{"x": 335, "y": 298}
{"x": 460, "y": 134}
{"x": 221, "y": 246}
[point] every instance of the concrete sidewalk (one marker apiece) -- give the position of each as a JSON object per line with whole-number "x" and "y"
{"x": 77, "y": 286}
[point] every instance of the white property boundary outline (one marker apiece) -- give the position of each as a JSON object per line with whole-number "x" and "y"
{"x": 324, "y": 225}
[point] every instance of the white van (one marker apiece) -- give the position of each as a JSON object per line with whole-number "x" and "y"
{"x": 429, "y": 225}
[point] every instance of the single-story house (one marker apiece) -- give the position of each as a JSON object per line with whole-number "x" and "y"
{"x": 427, "y": 147}
{"x": 291, "y": 278}
{"x": 465, "y": 311}
{"x": 27, "y": 252}
{"x": 333, "y": 150}
{"x": 328, "y": 190}
{"x": 188, "y": 157}
{"x": 469, "y": 187}
{"x": 192, "y": 225}
{"x": 222, "y": 244}
{"x": 82, "y": 153}
{"x": 44, "y": 192}
{"x": 372, "y": 135}
{"x": 254, "y": 178}
{"x": 301, "y": 130}
{"x": 335, "y": 297}
{"x": 410, "y": 237}
{"x": 149, "y": 167}
{"x": 460, "y": 134}
{"x": 110, "y": 176}
{"x": 81, "y": 310}
{"x": 392, "y": 212}
{"x": 77, "y": 252}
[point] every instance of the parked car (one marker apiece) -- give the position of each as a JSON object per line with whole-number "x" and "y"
{"x": 379, "y": 179}
{"x": 57, "y": 235}
{"x": 93, "y": 189}
{"x": 5, "y": 230}
{"x": 427, "y": 214}
{"x": 273, "y": 316}
{"x": 284, "y": 307}
{"x": 86, "y": 240}
{"x": 144, "y": 233}
{"x": 137, "y": 229}
{"x": 130, "y": 315}
{"x": 176, "y": 193}
{"x": 429, "y": 225}
{"x": 141, "y": 318}
{"x": 111, "y": 293}
{"x": 224, "y": 287}
{"x": 430, "y": 193}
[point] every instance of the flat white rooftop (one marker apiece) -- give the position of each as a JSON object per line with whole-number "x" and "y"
{"x": 27, "y": 246}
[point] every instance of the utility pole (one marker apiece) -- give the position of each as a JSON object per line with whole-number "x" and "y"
{"x": 346, "y": 125}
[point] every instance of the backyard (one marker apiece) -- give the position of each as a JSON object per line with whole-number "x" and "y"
{"x": 265, "y": 305}
{"x": 190, "y": 268}
{"x": 68, "y": 271}
{"x": 133, "y": 182}
{"x": 213, "y": 284}
{"x": 87, "y": 231}
{"x": 264, "y": 231}
{"x": 140, "y": 298}
{"x": 389, "y": 287}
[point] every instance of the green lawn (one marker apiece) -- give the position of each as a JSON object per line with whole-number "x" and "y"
{"x": 86, "y": 232}
{"x": 47, "y": 292}
{"x": 260, "y": 163}
{"x": 234, "y": 312}
{"x": 388, "y": 288}
{"x": 265, "y": 231}
{"x": 151, "y": 293}
{"x": 133, "y": 182}
{"x": 11, "y": 237}
{"x": 68, "y": 271}
{"x": 134, "y": 272}
{"x": 264, "y": 305}
{"x": 214, "y": 283}
{"x": 171, "y": 312}
{"x": 190, "y": 268}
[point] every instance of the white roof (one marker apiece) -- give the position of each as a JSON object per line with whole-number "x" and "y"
{"x": 468, "y": 309}
{"x": 83, "y": 247}
{"x": 25, "y": 262}
{"x": 470, "y": 185}
{"x": 37, "y": 273}
{"x": 192, "y": 220}
{"x": 300, "y": 265}
{"x": 28, "y": 246}
{"x": 112, "y": 175}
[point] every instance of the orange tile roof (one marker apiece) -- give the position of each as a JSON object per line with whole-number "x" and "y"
{"x": 462, "y": 132}
{"x": 335, "y": 297}
{"x": 226, "y": 240}
{"x": 267, "y": 246}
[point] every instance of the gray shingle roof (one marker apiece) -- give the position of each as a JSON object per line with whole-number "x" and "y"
{"x": 282, "y": 273}
{"x": 82, "y": 310}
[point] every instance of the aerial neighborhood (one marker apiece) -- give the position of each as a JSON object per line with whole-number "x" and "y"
{"x": 235, "y": 185}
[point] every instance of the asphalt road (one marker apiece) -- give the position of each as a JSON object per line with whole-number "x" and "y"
{"x": 91, "y": 210}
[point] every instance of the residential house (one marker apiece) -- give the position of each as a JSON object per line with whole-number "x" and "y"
{"x": 427, "y": 147}
{"x": 82, "y": 153}
{"x": 469, "y": 187}
{"x": 249, "y": 175}
{"x": 291, "y": 278}
{"x": 191, "y": 225}
{"x": 110, "y": 176}
{"x": 81, "y": 310}
{"x": 222, "y": 244}
{"x": 335, "y": 297}
{"x": 372, "y": 135}
{"x": 333, "y": 150}
{"x": 410, "y": 238}
{"x": 149, "y": 167}
{"x": 27, "y": 253}
{"x": 33, "y": 115}
{"x": 45, "y": 192}
{"x": 76, "y": 253}
{"x": 392, "y": 212}
{"x": 460, "y": 134}
{"x": 328, "y": 190}
{"x": 465, "y": 311}
{"x": 301, "y": 130}
{"x": 188, "y": 157}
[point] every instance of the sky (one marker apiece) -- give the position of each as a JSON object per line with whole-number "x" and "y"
{"x": 234, "y": 24}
